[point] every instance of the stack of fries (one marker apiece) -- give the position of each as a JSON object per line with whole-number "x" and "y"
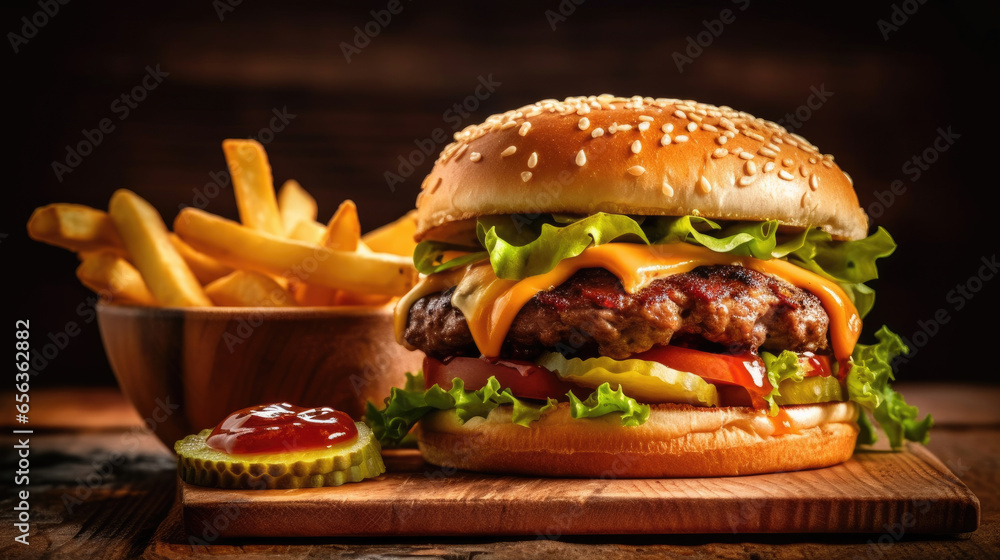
{"x": 278, "y": 255}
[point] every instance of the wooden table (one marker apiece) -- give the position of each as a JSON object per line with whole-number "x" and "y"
{"x": 103, "y": 487}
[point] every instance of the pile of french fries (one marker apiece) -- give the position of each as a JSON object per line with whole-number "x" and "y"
{"x": 277, "y": 255}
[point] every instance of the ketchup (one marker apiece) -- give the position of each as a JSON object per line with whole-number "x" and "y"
{"x": 281, "y": 428}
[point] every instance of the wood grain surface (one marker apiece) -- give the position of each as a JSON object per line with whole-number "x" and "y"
{"x": 108, "y": 492}
{"x": 875, "y": 489}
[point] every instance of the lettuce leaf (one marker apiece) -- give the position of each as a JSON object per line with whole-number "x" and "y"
{"x": 428, "y": 256}
{"x": 405, "y": 407}
{"x": 848, "y": 263}
{"x": 518, "y": 250}
{"x": 868, "y": 385}
{"x": 749, "y": 239}
{"x": 779, "y": 368}
{"x": 606, "y": 401}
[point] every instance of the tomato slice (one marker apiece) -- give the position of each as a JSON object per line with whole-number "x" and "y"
{"x": 730, "y": 372}
{"x": 524, "y": 379}
{"x": 742, "y": 370}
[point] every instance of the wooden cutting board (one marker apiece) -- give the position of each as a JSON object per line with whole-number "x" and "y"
{"x": 874, "y": 492}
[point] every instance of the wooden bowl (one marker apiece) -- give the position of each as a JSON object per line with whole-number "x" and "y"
{"x": 185, "y": 370}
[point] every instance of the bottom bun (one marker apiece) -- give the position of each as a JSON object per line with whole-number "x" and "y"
{"x": 676, "y": 441}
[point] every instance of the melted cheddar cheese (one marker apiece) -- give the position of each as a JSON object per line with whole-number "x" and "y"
{"x": 490, "y": 304}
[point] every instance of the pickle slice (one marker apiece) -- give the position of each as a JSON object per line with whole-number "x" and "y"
{"x": 648, "y": 382}
{"x": 810, "y": 390}
{"x": 349, "y": 462}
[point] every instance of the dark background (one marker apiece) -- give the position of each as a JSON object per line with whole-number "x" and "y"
{"x": 353, "y": 120}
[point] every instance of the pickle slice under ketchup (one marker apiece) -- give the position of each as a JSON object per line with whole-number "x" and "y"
{"x": 349, "y": 462}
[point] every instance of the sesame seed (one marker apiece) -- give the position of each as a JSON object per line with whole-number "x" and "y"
{"x": 625, "y": 127}
{"x": 680, "y": 114}
{"x": 532, "y": 160}
{"x": 803, "y": 171}
{"x": 751, "y": 168}
{"x": 508, "y": 124}
{"x": 813, "y": 182}
{"x": 508, "y": 152}
{"x": 613, "y": 128}
{"x": 667, "y": 189}
{"x": 785, "y": 175}
{"x": 524, "y": 128}
{"x": 777, "y": 140}
{"x": 665, "y": 140}
{"x": 461, "y": 150}
{"x": 526, "y": 176}
{"x": 745, "y": 180}
{"x": 669, "y": 127}
{"x": 768, "y": 167}
{"x": 691, "y": 127}
{"x": 597, "y": 132}
{"x": 827, "y": 164}
{"x": 805, "y": 198}
{"x": 746, "y": 155}
{"x": 787, "y": 162}
{"x": 581, "y": 158}
{"x": 754, "y": 135}
{"x": 849, "y": 179}
{"x": 643, "y": 126}
{"x": 800, "y": 139}
{"x": 584, "y": 123}
{"x": 722, "y": 140}
{"x": 681, "y": 138}
{"x": 813, "y": 160}
{"x": 709, "y": 128}
{"x": 767, "y": 152}
{"x": 720, "y": 152}
{"x": 636, "y": 170}
{"x": 695, "y": 117}
{"x": 636, "y": 147}
{"x": 475, "y": 156}
{"x": 704, "y": 185}
{"x": 645, "y": 118}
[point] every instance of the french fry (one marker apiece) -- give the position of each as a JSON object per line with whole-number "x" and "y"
{"x": 161, "y": 266}
{"x": 245, "y": 248}
{"x": 364, "y": 248}
{"x": 308, "y": 232}
{"x": 295, "y": 205}
{"x": 205, "y": 268}
{"x": 395, "y": 238}
{"x": 253, "y": 185}
{"x": 244, "y": 288}
{"x": 342, "y": 234}
{"x": 75, "y": 227}
{"x": 111, "y": 276}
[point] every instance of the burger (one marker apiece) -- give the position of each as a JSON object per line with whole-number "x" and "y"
{"x": 640, "y": 287}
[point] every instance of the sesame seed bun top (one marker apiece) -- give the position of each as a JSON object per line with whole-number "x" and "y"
{"x": 639, "y": 156}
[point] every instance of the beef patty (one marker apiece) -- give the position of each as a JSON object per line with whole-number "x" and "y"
{"x": 591, "y": 313}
